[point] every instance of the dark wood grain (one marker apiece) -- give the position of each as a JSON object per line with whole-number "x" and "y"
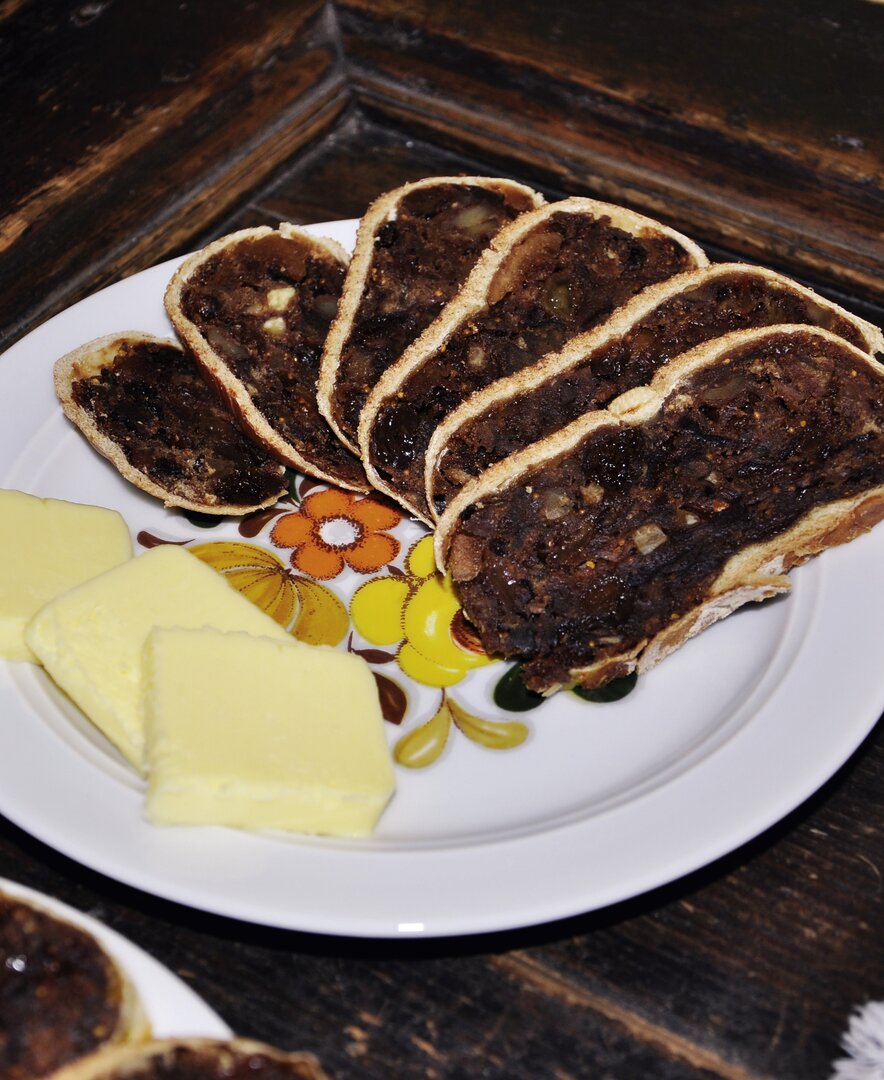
{"x": 343, "y": 173}
{"x": 153, "y": 128}
{"x": 145, "y": 123}
{"x": 364, "y": 156}
{"x": 754, "y": 127}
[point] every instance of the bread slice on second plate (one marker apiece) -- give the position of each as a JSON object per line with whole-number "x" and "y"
{"x": 62, "y": 996}
{"x": 196, "y": 1059}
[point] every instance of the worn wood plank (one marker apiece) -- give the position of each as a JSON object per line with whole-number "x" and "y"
{"x": 755, "y": 129}
{"x": 365, "y": 155}
{"x": 130, "y": 150}
{"x": 768, "y": 951}
{"x": 344, "y": 172}
{"x": 802, "y": 73}
{"x": 172, "y": 118}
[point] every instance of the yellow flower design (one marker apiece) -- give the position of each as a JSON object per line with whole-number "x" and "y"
{"x": 417, "y": 610}
{"x": 319, "y": 616}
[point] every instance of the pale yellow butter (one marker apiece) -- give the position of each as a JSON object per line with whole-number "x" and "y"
{"x": 247, "y": 732}
{"x": 47, "y": 547}
{"x": 91, "y": 639}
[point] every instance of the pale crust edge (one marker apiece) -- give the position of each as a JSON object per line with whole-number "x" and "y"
{"x": 88, "y": 360}
{"x": 633, "y": 407}
{"x": 755, "y": 573}
{"x": 471, "y": 298}
{"x": 640, "y": 306}
{"x": 115, "y": 1063}
{"x": 378, "y": 213}
{"x": 217, "y": 370}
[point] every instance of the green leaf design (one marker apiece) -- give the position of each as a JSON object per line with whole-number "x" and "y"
{"x": 421, "y": 747}
{"x": 512, "y": 694}
{"x": 493, "y": 734}
{"x": 292, "y": 479}
{"x": 615, "y": 690}
{"x": 202, "y": 521}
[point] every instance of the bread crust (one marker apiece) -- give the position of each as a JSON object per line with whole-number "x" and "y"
{"x": 382, "y": 210}
{"x": 220, "y": 373}
{"x": 119, "y": 1062}
{"x": 754, "y": 573}
{"x": 472, "y": 298}
{"x": 620, "y": 322}
{"x": 89, "y": 360}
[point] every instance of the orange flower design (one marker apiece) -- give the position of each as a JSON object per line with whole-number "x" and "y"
{"x": 333, "y": 528}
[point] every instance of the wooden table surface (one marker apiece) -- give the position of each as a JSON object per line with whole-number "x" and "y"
{"x": 133, "y": 132}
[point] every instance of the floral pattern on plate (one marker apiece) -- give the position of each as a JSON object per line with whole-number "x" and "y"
{"x": 352, "y": 571}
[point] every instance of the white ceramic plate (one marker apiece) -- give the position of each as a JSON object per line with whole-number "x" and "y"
{"x": 600, "y": 803}
{"x": 172, "y": 1008}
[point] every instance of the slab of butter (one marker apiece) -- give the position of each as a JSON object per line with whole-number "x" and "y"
{"x": 248, "y": 732}
{"x": 91, "y": 639}
{"x": 47, "y": 547}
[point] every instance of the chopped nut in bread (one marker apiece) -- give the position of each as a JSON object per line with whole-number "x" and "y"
{"x": 550, "y": 274}
{"x": 255, "y": 308}
{"x": 414, "y": 249}
{"x": 744, "y": 457}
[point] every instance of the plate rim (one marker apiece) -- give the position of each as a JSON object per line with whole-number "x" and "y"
{"x": 156, "y": 984}
{"x": 571, "y": 894}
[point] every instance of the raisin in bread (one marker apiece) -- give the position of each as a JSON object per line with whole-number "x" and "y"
{"x": 598, "y": 550}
